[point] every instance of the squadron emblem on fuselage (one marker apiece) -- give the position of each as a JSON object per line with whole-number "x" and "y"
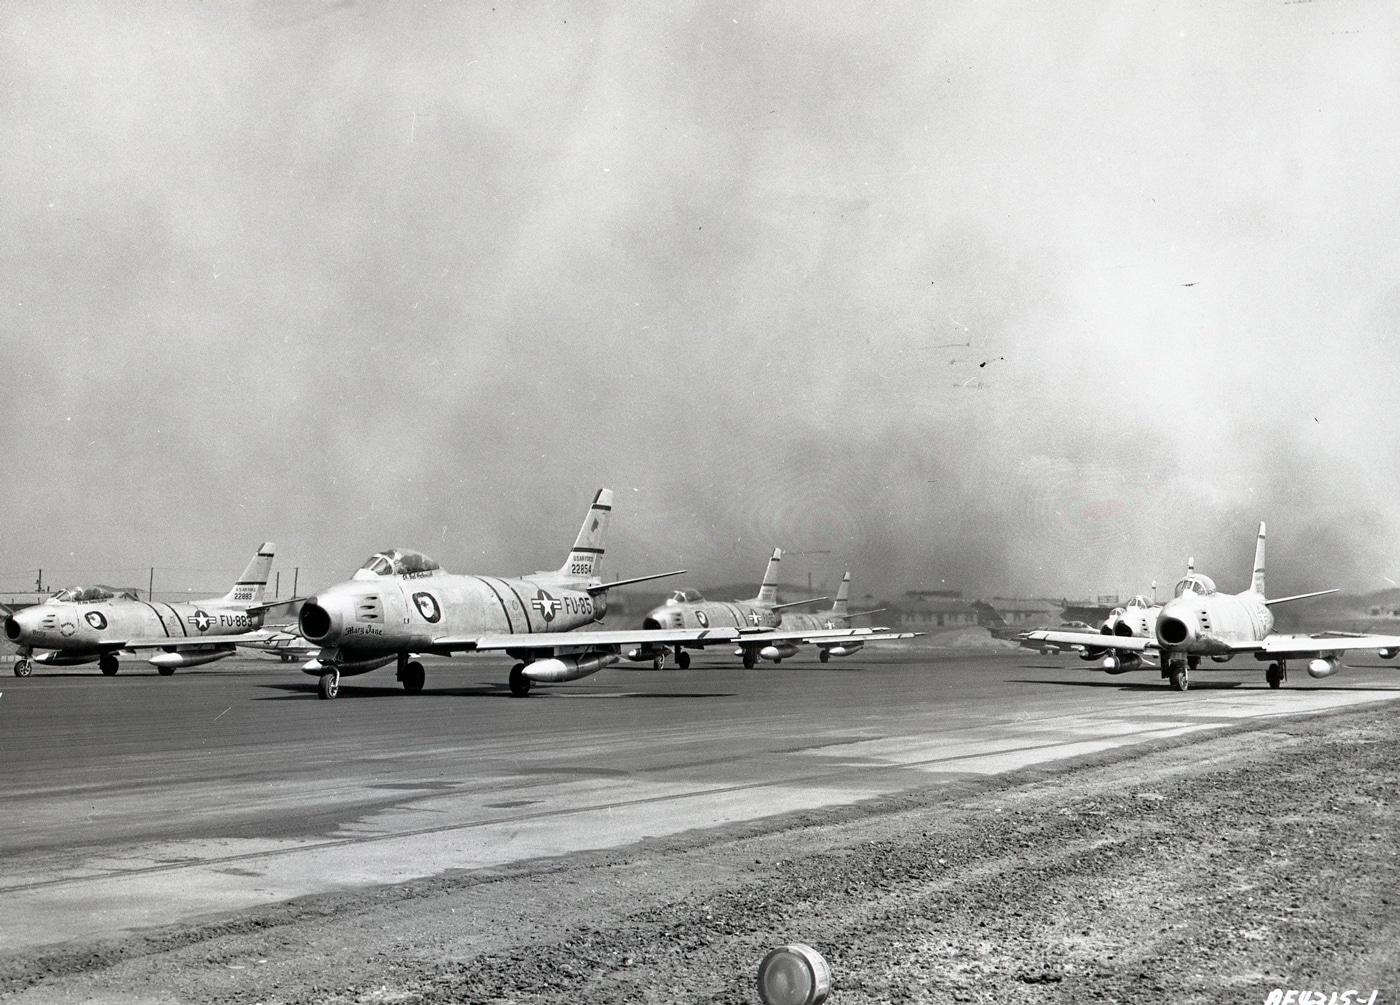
{"x": 428, "y": 607}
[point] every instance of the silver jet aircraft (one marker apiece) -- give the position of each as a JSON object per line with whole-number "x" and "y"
{"x": 765, "y": 631}
{"x": 1199, "y": 621}
{"x": 402, "y": 603}
{"x": 80, "y": 626}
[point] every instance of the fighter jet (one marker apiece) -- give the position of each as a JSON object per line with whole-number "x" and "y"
{"x": 765, "y": 632}
{"x": 284, "y": 642}
{"x": 1200, "y": 621}
{"x": 829, "y": 631}
{"x": 402, "y": 603}
{"x": 82, "y": 625}
{"x": 990, "y": 619}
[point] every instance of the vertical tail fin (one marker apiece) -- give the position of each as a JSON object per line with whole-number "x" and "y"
{"x": 253, "y": 582}
{"x": 1257, "y": 582}
{"x": 768, "y": 589}
{"x": 989, "y": 616}
{"x": 586, "y": 558}
{"x": 839, "y": 607}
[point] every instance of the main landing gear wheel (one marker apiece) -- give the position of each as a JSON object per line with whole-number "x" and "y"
{"x": 165, "y": 671}
{"x": 1274, "y": 675}
{"x": 824, "y": 656}
{"x": 413, "y": 677}
{"x": 23, "y": 668}
{"x": 1180, "y": 681}
{"x": 107, "y": 663}
{"x": 750, "y": 661}
{"x": 329, "y": 685}
{"x": 519, "y": 683}
{"x": 659, "y": 662}
{"x": 683, "y": 660}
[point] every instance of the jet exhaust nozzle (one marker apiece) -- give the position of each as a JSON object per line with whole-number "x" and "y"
{"x": 562, "y": 668}
{"x": 1323, "y": 667}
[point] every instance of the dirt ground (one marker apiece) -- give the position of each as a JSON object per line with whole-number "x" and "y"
{"x": 1227, "y": 869}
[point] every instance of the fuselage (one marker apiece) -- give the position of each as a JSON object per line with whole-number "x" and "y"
{"x": 1198, "y": 620}
{"x": 92, "y": 626}
{"x": 1136, "y": 618}
{"x": 406, "y": 611}
{"x": 686, "y": 609}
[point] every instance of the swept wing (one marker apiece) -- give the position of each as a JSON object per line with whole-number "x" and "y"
{"x": 576, "y": 640}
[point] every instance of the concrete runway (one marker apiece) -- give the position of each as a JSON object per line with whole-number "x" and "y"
{"x": 138, "y": 801}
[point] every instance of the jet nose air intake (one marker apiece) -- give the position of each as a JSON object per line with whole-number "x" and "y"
{"x": 1172, "y": 631}
{"x": 12, "y": 629}
{"x": 317, "y": 623}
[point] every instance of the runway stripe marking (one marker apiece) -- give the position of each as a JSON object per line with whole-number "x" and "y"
{"x": 821, "y": 776}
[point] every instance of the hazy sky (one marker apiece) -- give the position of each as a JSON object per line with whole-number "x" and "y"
{"x": 1007, "y": 296}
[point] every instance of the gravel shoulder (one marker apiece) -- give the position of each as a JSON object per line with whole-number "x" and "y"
{"x": 1199, "y": 870}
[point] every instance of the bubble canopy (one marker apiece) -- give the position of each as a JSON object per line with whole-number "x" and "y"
{"x": 685, "y": 597}
{"x": 399, "y": 562}
{"x": 89, "y": 594}
{"x": 1201, "y": 585}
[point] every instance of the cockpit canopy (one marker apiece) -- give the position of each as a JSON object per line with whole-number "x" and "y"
{"x": 685, "y": 597}
{"x": 90, "y": 594}
{"x": 399, "y": 562}
{"x": 1201, "y": 585}
{"x": 1140, "y": 601}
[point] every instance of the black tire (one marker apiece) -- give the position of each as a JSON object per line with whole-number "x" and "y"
{"x": 107, "y": 663}
{"x": 165, "y": 671}
{"x": 1274, "y": 676}
{"x": 519, "y": 683}
{"x": 824, "y": 656}
{"x": 750, "y": 661}
{"x": 23, "y": 668}
{"x": 1179, "y": 679}
{"x": 328, "y": 686}
{"x": 683, "y": 660}
{"x": 658, "y": 662}
{"x": 413, "y": 677}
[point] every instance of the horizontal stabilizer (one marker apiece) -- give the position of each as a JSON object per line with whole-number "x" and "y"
{"x": 1301, "y": 596}
{"x": 260, "y": 608}
{"x": 603, "y": 587}
{"x": 798, "y": 603}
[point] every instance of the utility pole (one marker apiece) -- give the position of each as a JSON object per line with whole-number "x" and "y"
{"x": 295, "y": 573}
{"x": 151, "y": 585}
{"x": 277, "y": 587}
{"x": 39, "y": 583}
